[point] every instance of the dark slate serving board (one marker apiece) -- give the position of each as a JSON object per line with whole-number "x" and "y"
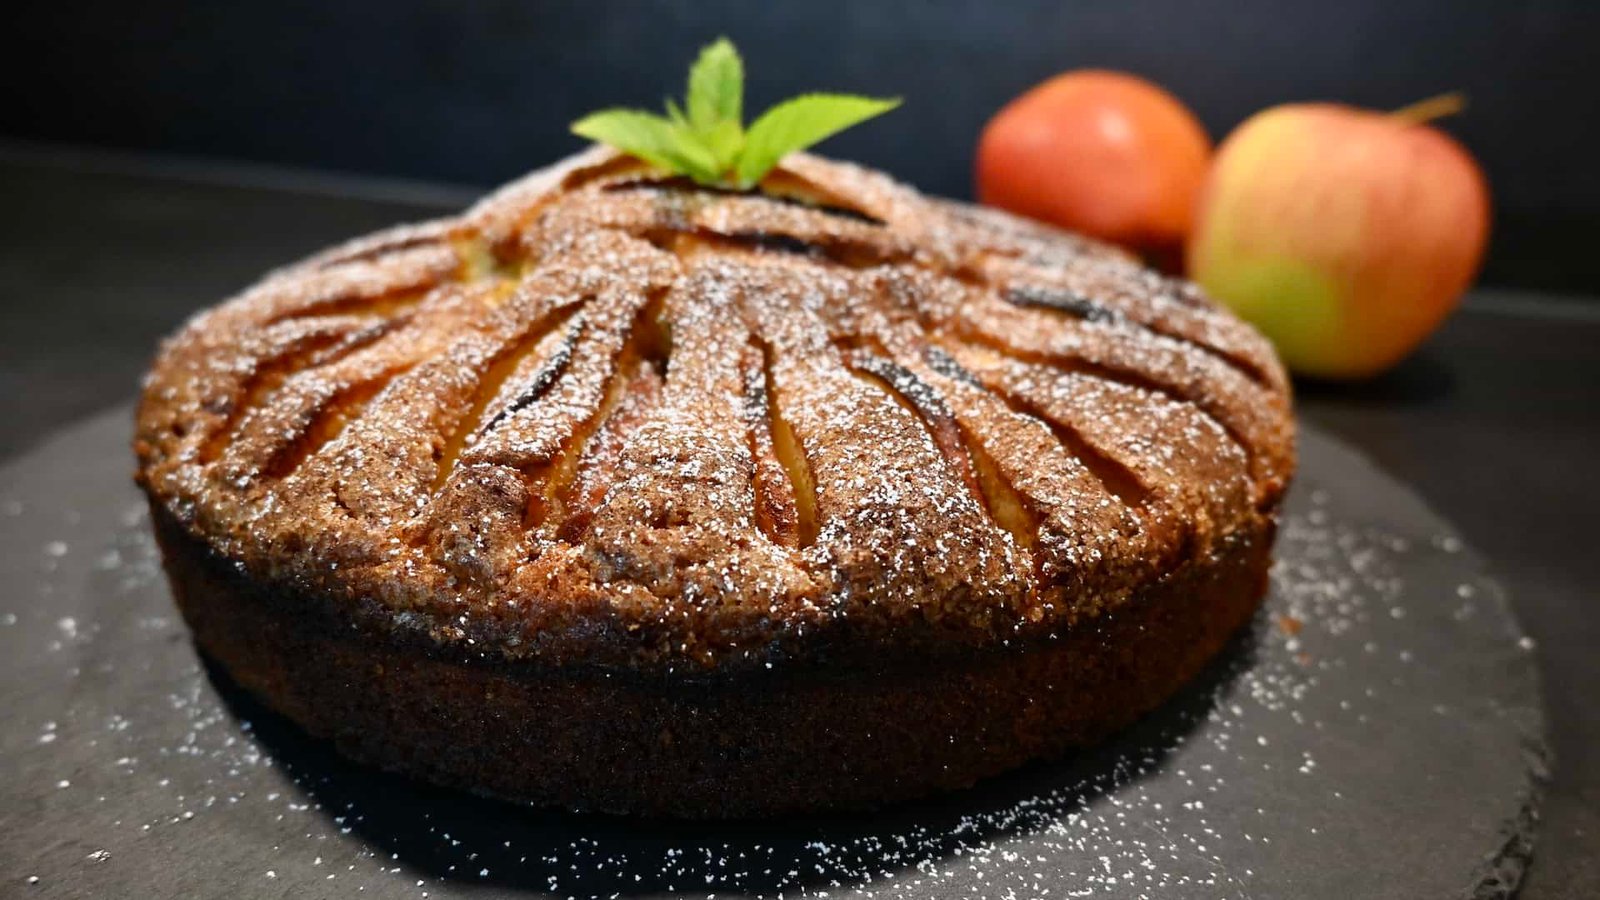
{"x": 1376, "y": 733}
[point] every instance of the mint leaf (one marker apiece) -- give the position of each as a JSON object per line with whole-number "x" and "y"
{"x": 675, "y": 113}
{"x": 799, "y": 123}
{"x": 716, "y": 87}
{"x": 722, "y": 142}
{"x": 705, "y": 139}
{"x": 652, "y": 138}
{"x": 715, "y": 102}
{"x": 725, "y": 140}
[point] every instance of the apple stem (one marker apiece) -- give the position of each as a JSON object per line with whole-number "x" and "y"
{"x": 1424, "y": 111}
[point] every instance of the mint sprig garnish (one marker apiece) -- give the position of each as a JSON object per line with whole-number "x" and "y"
{"x": 705, "y": 139}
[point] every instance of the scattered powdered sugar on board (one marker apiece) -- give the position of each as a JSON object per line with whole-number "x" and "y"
{"x": 130, "y": 766}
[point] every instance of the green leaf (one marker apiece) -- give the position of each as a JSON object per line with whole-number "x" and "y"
{"x": 725, "y": 140}
{"x": 652, "y": 138}
{"x": 705, "y": 138}
{"x": 799, "y": 123}
{"x": 716, "y": 87}
{"x": 675, "y": 113}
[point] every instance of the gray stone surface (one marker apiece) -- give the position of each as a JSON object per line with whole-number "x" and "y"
{"x": 1376, "y": 733}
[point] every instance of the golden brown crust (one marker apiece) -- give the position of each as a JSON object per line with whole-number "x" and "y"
{"x": 601, "y": 419}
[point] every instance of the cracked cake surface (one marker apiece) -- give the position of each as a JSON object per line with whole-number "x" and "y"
{"x": 619, "y": 493}
{"x": 605, "y": 418}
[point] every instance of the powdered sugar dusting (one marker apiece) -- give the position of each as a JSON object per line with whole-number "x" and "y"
{"x": 1204, "y": 798}
{"x": 331, "y": 428}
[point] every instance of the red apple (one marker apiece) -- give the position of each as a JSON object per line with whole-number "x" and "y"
{"x": 1345, "y": 235}
{"x": 1105, "y": 153}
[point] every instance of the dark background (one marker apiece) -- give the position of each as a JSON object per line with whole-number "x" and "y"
{"x": 477, "y": 92}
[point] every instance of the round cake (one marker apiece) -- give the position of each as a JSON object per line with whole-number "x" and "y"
{"x": 619, "y": 493}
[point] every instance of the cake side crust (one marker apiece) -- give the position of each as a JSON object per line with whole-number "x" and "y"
{"x": 753, "y": 743}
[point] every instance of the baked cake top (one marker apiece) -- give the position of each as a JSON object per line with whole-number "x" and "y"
{"x": 605, "y": 418}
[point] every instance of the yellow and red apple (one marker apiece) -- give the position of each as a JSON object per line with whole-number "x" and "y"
{"x": 1345, "y": 235}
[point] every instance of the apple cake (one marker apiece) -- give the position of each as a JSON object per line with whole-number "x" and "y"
{"x": 619, "y": 493}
